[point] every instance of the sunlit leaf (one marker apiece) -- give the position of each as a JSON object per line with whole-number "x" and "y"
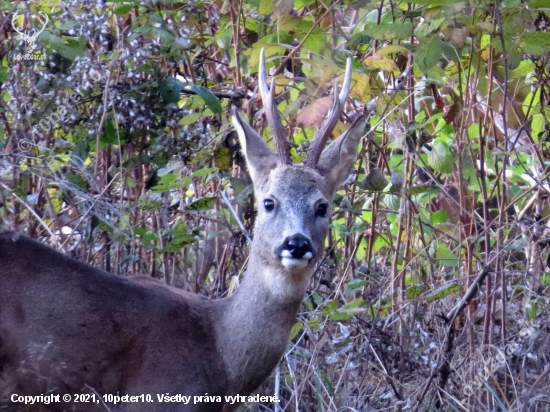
{"x": 413, "y": 292}
{"x": 125, "y": 8}
{"x": 189, "y": 119}
{"x": 392, "y": 49}
{"x": 380, "y": 62}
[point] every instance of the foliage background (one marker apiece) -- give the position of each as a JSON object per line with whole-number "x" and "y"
{"x": 136, "y": 176}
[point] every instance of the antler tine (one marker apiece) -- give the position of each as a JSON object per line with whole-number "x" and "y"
{"x": 46, "y": 20}
{"x": 14, "y": 22}
{"x": 273, "y": 117}
{"x": 324, "y": 131}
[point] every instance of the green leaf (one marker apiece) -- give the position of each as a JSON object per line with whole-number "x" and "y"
{"x": 447, "y": 258}
{"x": 417, "y": 190}
{"x": 209, "y": 98}
{"x": 295, "y": 329}
{"x": 316, "y": 41}
{"x": 356, "y": 283}
{"x": 164, "y": 35}
{"x": 329, "y": 307}
{"x": 346, "y": 313}
{"x": 428, "y": 27}
{"x": 266, "y": 7}
{"x": 170, "y": 90}
{"x": 539, "y": 4}
{"x": 223, "y": 38}
{"x": 524, "y": 68}
{"x": 390, "y": 31}
{"x": 189, "y": 119}
{"x": 222, "y": 156}
{"x": 205, "y": 203}
{"x": 150, "y": 201}
{"x": 180, "y": 240}
{"x": 537, "y": 43}
{"x": 414, "y": 291}
{"x": 429, "y": 54}
{"x": 4, "y": 74}
{"x": 440, "y": 217}
{"x": 168, "y": 180}
{"x": 204, "y": 172}
{"x": 442, "y": 292}
{"x": 172, "y": 165}
{"x": 440, "y": 158}
{"x": 125, "y": 8}
{"x": 392, "y": 201}
{"x": 68, "y": 47}
{"x": 68, "y": 25}
{"x": 77, "y": 180}
{"x": 109, "y": 136}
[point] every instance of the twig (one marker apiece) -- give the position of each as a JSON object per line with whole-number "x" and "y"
{"x": 468, "y": 296}
{"x": 445, "y": 368}
{"x": 30, "y": 209}
{"x": 236, "y": 216}
{"x": 231, "y": 94}
{"x": 299, "y": 46}
{"x": 7, "y": 18}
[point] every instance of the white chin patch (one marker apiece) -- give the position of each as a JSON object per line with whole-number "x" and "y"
{"x": 291, "y": 263}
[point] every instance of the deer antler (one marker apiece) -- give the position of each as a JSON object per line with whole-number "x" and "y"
{"x": 37, "y": 33}
{"x": 324, "y": 131}
{"x": 14, "y": 24}
{"x": 272, "y": 114}
{"x": 29, "y": 38}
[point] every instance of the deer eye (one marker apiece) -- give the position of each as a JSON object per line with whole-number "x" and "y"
{"x": 322, "y": 210}
{"x": 269, "y": 205}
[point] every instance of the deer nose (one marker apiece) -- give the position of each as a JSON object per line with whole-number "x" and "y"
{"x": 299, "y": 247}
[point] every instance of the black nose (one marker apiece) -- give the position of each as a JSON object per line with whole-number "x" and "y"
{"x": 298, "y": 246}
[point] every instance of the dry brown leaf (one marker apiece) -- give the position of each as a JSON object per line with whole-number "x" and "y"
{"x": 313, "y": 114}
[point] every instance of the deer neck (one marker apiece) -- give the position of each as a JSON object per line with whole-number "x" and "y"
{"x": 256, "y": 323}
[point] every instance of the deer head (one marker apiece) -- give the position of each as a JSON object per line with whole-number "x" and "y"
{"x": 293, "y": 201}
{"x": 29, "y": 35}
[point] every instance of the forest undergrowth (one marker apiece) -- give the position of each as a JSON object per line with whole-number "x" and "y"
{"x": 434, "y": 292}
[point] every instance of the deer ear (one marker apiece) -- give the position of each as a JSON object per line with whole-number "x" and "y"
{"x": 338, "y": 158}
{"x": 259, "y": 157}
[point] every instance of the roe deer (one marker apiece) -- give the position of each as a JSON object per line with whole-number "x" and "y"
{"x": 67, "y": 328}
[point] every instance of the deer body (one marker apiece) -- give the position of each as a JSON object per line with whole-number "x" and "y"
{"x": 66, "y": 327}
{"x": 118, "y": 335}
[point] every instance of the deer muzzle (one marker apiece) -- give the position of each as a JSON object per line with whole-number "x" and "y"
{"x": 296, "y": 252}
